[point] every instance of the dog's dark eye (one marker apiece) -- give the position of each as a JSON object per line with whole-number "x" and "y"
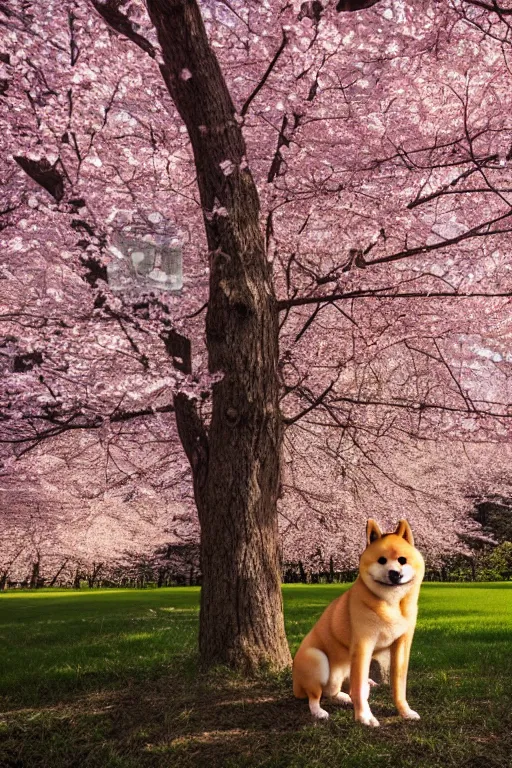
{"x": 382, "y": 560}
{"x": 402, "y": 560}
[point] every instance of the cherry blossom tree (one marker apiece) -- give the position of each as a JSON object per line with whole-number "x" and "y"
{"x": 339, "y": 179}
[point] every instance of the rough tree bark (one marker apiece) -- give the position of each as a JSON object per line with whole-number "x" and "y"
{"x": 235, "y": 465}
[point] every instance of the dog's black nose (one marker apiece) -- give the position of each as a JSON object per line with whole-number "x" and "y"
{"x": 394, "y": 576}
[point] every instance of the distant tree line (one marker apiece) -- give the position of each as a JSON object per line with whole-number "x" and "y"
{"x": 168, "y": 566}
{"x": 489, "y": 558}
{"x": 180, "y": 567}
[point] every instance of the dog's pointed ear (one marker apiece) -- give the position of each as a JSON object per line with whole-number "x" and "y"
{"x": 403, "y": 530}
{"x": 373, "y": 532}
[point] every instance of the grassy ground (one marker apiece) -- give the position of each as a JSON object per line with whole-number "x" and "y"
{"x": 107, "y": 679}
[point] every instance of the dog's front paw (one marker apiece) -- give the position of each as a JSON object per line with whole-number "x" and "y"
{"x": 409, "y": 714}
{"x": 368, "y": 719}
{"x": 317, "y": 712}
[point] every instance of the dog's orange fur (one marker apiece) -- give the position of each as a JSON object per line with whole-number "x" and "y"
{"x": 370, "y": 620}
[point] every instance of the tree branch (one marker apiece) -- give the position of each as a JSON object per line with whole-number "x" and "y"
{"x": 354, "y": 5}
{"x": 194, "y": 438}
{"x": 301, "y": 301}
{"x": 120, "y": 23}
{"x": 481, "y": 230}
{"x": 492, "y": 7}
{"x": 318, "y": 401}
{"x": 263, "y": 80}
{"x": 422, "y": 406}
{"x": 44, "y": 174}
{"x": 59, "y": 426}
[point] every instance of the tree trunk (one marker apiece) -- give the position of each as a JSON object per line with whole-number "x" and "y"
{"x": 53, "y": 581}
{"x": 76, "y": 580}
{"x": 34, "y": 576}
{"x": 330, "y": 579}
{"x": 91, "y": 578}
{"x": 236, "y": 464}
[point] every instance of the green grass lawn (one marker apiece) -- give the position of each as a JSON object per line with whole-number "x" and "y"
{"x": 108, "y": 679}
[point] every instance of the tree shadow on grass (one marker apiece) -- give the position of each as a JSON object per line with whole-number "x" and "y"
{"x": 178, "y": 721}
{"x": 210, "y": 721}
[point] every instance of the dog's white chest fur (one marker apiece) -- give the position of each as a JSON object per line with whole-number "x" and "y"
{"x": 391, "y": 631}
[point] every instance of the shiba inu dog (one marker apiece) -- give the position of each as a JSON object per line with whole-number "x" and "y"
{"x": 374, "y": 619}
